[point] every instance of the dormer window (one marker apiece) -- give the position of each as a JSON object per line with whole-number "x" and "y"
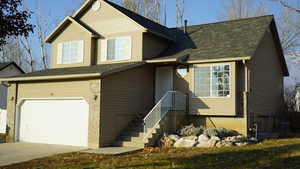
{"x": 70, "y": 52}
{"x": 116, "y": 49}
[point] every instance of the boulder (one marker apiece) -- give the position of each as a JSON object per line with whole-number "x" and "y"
{"x": 202, "y": 145}
{"x": 213, "y": 141}
{"x": 192, "y": 138}
{"x": 224, "y": 143}
{"x": 241, "y": 144}
{"x": 173, "y": 137}
{"x": 203, "y": 138}
{"x": 235, "y": 139}
{"x": 184, "y": 143}
{"x": 166, "y": 142}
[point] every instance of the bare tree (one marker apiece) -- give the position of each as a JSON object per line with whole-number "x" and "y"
{"x": 236, "y": 9}
{"x": 12, "y": 51}
{"x": 180, "y": 7}
{"x": 29, "y": 58}
{"x": 289, "y": 29}
{"x": 287, "y": 5}
{"x": 133, "y": 5}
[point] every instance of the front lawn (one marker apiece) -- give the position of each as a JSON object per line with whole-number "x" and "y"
{"x": 272, "y": 154}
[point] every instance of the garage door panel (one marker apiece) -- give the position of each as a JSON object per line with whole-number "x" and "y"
{"x": 54, "y": 122}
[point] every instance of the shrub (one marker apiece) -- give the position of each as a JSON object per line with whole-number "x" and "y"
{"x": 191, "y": 130}
{"x": 220, "y": 132}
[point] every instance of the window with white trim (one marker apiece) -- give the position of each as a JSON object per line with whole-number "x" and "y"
{"x": 70, "y": 52}
{"x": 212, "y": 81}
{"x": 116, "y": 49}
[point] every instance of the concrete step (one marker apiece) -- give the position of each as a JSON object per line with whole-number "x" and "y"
{"x": 129, "y": 144}
{"x": 130, "y": 138}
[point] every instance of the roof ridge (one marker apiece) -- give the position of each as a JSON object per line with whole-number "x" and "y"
{"x": 135, "y": 13}
{"x": 226, "y": 21}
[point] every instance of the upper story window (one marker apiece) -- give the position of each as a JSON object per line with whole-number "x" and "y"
{"x": 116, "y": 49}
{"x": 212, "y": 81}
{"x": 70, "y": 52}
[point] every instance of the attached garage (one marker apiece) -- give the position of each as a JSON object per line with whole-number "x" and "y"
{"x": 76, "y": 106}
{"x": 53, "y": 121}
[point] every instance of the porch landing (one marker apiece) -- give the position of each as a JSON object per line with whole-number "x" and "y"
{"x": 112, "y": 150}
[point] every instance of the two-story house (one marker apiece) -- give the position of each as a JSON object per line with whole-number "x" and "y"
{"x": 112, "y": 68}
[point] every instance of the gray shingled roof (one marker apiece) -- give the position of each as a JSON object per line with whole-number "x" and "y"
{"x": 6, "y": 64}
{"x": 229, "y": 39}
{"x": 103, "y": 69}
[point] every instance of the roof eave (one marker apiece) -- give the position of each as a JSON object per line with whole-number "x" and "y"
{"x": 69, "y": 19}
{"x": 220, "y": 60}
{"x": 59, "y": 77}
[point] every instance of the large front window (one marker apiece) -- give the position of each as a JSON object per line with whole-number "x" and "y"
{"x": 212, "y": 81}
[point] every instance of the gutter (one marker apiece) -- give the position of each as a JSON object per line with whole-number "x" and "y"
{"x": 245, "y": 98}
{"x": 91, "y": 75}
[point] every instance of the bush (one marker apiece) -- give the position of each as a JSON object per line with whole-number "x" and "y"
{"x": 220, "y": 132}
{"x": 191, "y": 130}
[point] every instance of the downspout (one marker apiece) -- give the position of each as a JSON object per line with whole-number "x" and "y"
{"x": 245, "y": 98}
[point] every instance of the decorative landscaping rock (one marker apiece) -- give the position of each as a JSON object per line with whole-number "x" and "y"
{"x": 174, "y": 137}
{"x": 190, "y": 130}
{"x": 203, "y": 138}
{"x": 224, "y": 143}
{"x": 184, "y": 143}
{"x": 166, "y": 142}
{"x": 239, "y": 144}
{"x": 211, "y": 132}
{"x": 202, "y": 145}
{"x": 223, "y": 132}
{"x": 239, "y": 138}
{"x": 192, "y": 138}
{"x": 213, "y": 141}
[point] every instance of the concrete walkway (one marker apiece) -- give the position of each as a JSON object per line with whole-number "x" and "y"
{"x": 112, "y": 150}
{"x": 11, "y": 153}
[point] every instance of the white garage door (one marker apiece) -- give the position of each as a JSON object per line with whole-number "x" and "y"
{"x": 62, "y": 122}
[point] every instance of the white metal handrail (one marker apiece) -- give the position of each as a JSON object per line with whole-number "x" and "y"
{"x": 171, "y": 101}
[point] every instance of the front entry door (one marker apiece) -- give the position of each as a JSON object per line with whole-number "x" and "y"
{"x": 163, "y": 81}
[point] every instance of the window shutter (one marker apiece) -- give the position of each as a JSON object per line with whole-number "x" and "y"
{"x": 80, "y": 50}
{"x": 103, "y": 50}
{"x": 59, "y": 53}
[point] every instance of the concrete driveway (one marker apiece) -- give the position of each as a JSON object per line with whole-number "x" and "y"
{"x": 11, "y": 153}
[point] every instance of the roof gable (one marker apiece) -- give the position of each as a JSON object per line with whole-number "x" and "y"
{"x": 65, "y": 23}
{"x": 143, "y": 22}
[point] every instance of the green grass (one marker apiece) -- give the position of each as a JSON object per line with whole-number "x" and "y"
{"x": 272, "y": 154}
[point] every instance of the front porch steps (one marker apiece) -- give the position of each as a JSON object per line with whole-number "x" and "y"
{"x": 133, "y": 136}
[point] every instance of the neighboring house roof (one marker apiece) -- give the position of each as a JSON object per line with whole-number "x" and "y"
{"x": 75, "y": 72}
{"x": 229, "y": 40}
{"x": 6, "y": 64}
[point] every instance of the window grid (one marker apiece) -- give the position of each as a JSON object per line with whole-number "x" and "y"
{"x": 71, "y": 52}
{"x": 218, "y": 83}
{"x": 117, "y": 49}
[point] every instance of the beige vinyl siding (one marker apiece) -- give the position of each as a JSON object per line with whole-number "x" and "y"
{"x": 153, "y": 45}
{"x": 124, "y": 95}
{"x": 266, "y": 96}
{"x": 110, "y": 23}
{"x": 72, "y": 32}
{"x": 213, "y": 106}
{"x": 86, "y": 89}
{"x": 136, "y": 46}
{"x": 215, "y": 119}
